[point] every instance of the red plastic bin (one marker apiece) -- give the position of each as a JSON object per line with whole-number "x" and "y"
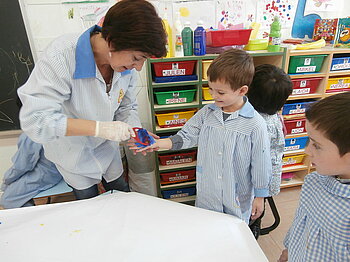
{"x": 295, "y": 126}
{"x": 178, "y": 68}
{"x": 304, "y": 86}
{"x": 179, "y": 158}
{"x": 228, "y": 37}
{"x": 179, "y": 176}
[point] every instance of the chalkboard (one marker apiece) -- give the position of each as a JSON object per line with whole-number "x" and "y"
{"x": 16, "y": 62}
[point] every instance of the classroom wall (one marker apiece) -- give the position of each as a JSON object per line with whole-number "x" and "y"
{"x": 47, "y": 19}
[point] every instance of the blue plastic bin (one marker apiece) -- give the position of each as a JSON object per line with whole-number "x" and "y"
{"x": 179, "y": 192}
{"x": 295, "y": 108}
{"x": 340, "y": 63}
{"x": 166, "y": 79}
{"x": 297, "y": 143}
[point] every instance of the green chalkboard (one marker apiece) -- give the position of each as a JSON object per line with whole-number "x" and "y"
{"x": 16, "y": 62}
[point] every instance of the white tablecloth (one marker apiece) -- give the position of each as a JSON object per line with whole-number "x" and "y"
{"x": 124, "y": 227}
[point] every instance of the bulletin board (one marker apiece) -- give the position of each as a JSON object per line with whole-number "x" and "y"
{"x": 16, "y": 62}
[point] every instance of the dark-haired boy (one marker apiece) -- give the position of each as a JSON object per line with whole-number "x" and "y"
{"x": 321, "y": 227}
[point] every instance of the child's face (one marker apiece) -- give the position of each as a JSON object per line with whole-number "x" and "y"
{"x": 324, "y": 154}
{"x": 226, "y": 98}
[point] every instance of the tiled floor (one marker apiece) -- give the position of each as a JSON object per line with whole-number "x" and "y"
{"x": 286, "y": 202}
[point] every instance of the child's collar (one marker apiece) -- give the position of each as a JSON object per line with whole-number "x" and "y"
{"x": 246, "y": 111}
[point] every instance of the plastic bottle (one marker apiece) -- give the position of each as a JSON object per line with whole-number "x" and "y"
{"x": 169, "y": 47}
{"x": 187, "y": 39}
{"x": 275, "y": 36}
{"x": 199, "y": 39}
{"x": 179, "y": 51}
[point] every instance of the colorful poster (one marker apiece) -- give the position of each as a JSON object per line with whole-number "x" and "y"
{"x": 325, "y": 29}
{"x": 343, "y": 33}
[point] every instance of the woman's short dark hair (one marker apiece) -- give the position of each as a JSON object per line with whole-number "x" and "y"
{"x": 269, "y": 89}
{"x": 331, "y": 117}
{"x": 135, "y": 25}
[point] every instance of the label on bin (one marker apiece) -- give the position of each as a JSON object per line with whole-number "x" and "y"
{"x": 304, "y": 69}
{"x": 176, "y": 178}
{"x": 179, "y": 195}
{"x": 345, "y": 65}
{"x": 307, "y": 61}
{"x": 301, "y": 91}
{"x": 340, "y": 85}
{"x": 175, "y": 72}
{"x": 290, "y": 148}
{"x": 175, "y": 121}
{"x": 178, "y": 161}
{"x": 297, "y": 111}
{"x": 303, "y": 83}
{"x": 175, "y": 100}
{"x": 297, "y": 130}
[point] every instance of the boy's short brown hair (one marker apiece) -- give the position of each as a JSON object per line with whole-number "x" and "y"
{"x": 135, "y": 25}
{"x": 234, "y": 67}
{"x": 331, "y": 116}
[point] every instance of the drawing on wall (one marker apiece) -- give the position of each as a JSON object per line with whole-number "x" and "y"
{"x": 267, "y": 9}
{"x": 303, "y": 24}
{"x": 93, "y": 14}
{"x": 14, "y": 64}
{"x": 231, "y": 14}
{"x": 315, "y": 6}
{"x": 193, "y": 12}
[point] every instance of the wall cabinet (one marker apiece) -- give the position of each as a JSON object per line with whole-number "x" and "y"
{"x": 171, "y": 108}
{"x": 316, "y": 74}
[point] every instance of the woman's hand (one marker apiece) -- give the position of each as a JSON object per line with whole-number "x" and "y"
{"x": 114, "y": 130}
{"x": 257, "y": 207}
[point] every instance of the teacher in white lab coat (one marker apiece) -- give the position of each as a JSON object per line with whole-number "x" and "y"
{"x": 80, "y": 101}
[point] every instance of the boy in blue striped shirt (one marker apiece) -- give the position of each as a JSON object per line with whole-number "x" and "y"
{"x": 321, "y": 227}
{"x": 233, "y": 162}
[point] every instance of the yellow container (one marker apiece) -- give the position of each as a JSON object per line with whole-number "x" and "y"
{"x": 205, "y": 66}
{"x": 205, "y": 93}
{"x": 292, "y": 160}
{"x": 175, "y": 118}
{"x": 256, "y": 44}
{"x": 338, "y": 84}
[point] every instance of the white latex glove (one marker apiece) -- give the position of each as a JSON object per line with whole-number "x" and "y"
{"x": 115, "y": 130}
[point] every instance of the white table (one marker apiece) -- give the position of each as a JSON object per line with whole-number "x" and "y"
{"x": 121, "y": 227}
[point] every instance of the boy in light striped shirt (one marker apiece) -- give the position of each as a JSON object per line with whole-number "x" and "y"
{"x": 233, "y": 161}
{"x": 321, "y": 227}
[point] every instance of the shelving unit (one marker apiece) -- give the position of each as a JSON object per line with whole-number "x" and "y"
{"x": 260, "y": 57}
{"x": 326, "y": 74}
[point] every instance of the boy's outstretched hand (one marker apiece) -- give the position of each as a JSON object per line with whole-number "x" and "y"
{"x": 284, "y": 256}
{"x": 132, "y": 145}
{"x": 257, "y": 207}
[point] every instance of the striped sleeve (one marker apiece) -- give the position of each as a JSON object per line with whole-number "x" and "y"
{"x": 261, "y": 161}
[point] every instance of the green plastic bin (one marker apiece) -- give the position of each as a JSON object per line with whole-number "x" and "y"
{"x": 305, "y": 64}
{"x": 175, "y": 97}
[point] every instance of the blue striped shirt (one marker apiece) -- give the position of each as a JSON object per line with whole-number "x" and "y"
{"x": 233, "y": 161}
{"x": 321, "y": 227}
{"x": 276, "y": 136}
{"x": 66, "y": 83}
